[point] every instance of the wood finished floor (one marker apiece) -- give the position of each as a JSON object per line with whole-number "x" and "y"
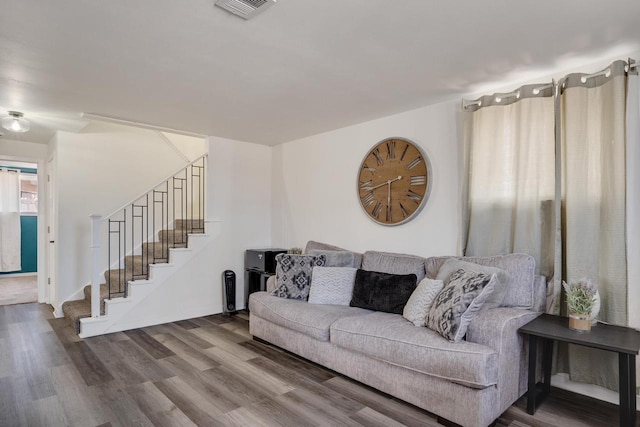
{"x": 206, "y": 372}
{"x": 18, "y": 289}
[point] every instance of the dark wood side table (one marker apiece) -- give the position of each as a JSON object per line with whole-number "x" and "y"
{"x": 624, "y": 341}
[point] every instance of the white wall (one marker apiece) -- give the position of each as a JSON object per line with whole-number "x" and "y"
{"x": 314, "y": 186}
{"x": 34, "y": 153}
{"x": 239, "y": 197}
{"x": 238, "y": 218}
{"x": 17, "y": 150}
{"x": 98, "y": 171}
{"x": 238, "y": 187}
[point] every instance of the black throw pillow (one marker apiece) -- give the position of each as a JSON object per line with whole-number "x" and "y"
{"x": 382, "y": 291}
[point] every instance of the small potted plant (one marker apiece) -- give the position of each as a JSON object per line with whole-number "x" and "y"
{"x": 580, "y": 302}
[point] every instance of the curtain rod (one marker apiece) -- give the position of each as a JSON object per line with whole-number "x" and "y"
{"x": 537, "y": 90}
{"x": 631, "y": 63}
{"x": 514, "y": 94}
{"x": 605, "y": 73}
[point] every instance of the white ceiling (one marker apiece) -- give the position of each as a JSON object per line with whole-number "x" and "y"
{"x": 300, "y": 68}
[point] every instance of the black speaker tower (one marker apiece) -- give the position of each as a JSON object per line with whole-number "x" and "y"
{"x": 229, "y": 292}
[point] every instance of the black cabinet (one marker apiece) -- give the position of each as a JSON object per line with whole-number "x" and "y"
{"x": 259, "y": 264}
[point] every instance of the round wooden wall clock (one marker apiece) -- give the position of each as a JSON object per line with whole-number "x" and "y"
{"x": 394, "y": 181}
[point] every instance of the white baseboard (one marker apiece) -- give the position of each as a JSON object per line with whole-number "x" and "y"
{"x": 35, "y": 273}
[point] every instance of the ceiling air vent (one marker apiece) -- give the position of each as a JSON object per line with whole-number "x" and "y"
{"x": 245, "y": 8}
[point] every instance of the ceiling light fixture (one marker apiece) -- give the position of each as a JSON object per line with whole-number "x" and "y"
{"x": 15, "y": 123}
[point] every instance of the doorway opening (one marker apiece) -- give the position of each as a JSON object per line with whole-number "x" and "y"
{"x": 18, "y": 232}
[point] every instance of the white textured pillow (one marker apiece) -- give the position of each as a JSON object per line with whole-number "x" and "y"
{"x": 420, "y": 301}
{"x": 332, "y": 285}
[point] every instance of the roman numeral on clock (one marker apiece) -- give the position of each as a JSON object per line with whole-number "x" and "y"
{"x": 418, "y": 180}
{"x": 368, "y": 199}
{"x": 415, "y": 162}
{"x": 367, "y": 168}
{"x": 414, "y": 196}
{"x": 389, "y": 214}
{"x": 404, "y": 152}
{"x": 365, "y": 184}
{"x": 391, "y": 149}
{"x": 376, "y": 210}
{"x": 378, "y": 156}
{"x": 405, "y": 212}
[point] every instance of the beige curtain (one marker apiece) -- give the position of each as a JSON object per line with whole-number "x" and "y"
{"x": 633, "y": 202}
{"x": 518, "y": 161}
{"x": 509, "y": 151}
{"x": 594, "y": 204}
{"x": 9, "y": 221}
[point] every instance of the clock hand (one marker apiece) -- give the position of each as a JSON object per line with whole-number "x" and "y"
{"x": 374, "y": 187}
{"x": 380, "y": 185}
{"x": 389, "y": 196}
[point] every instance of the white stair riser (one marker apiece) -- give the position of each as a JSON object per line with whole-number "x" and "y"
{"x": 116, "y": 309}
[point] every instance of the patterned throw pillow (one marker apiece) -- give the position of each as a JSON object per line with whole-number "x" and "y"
{"x": 452, "y": 265}
{"x": 421, "y": 300}
{"x": 459, "y": 301}
{"x": 332, "y": 285}
{"x": 293, "y": 275}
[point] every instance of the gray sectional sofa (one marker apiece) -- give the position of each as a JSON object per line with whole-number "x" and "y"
{"x": 470, "y": 383}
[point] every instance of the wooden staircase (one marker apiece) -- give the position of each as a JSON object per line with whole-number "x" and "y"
{"x": 136, "y": 268}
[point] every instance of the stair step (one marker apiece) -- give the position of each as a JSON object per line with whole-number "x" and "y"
{"x": 173, "y": 237}
{"x": 76, "y": 310}
{"x": 118, "y": 279}
{"x": 104, "y": 292}
{"x": 158, "y": 250}
{"x": 136, "y": 268}
{"x": 189, "y": 224}
{"x": 80, "y": 309}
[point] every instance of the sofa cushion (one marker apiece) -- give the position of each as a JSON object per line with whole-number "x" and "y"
{"x": 521, "y": 267}
{"x": 458, "y": 302}
{"x": 452, "y": 265}
{"x": 387, "y": 262}
{"x": 310, "y": 319}
{"x": 389, "y": 337}
{"x": 293, "y": 275}
{"x": 312, "y": 245}
{"x": 420, "y": 301}
{"x": 338, "y": 258}
{"x": 332, "y": 285}
{"x": 382, "y": 291}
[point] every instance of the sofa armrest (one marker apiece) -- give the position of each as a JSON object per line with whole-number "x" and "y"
{"x": 497, "y": 328}
{"x": 540, "y": 294}
{"x": 494, "y": 327}
{"x": 271, "y": 283}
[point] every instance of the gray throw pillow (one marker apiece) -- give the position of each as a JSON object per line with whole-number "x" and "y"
{"x": 452, "y": 265}
{"x": 293, "y": 275}
{"x": 421, "y": 300}
{"x": 337, "y": 258}
{"x": 332, "y": 285}
{"x": 392, "y": 263}
{"x": 456, "y": 305}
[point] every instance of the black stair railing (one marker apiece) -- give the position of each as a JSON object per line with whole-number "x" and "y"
{"x": 142, "y": 232}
